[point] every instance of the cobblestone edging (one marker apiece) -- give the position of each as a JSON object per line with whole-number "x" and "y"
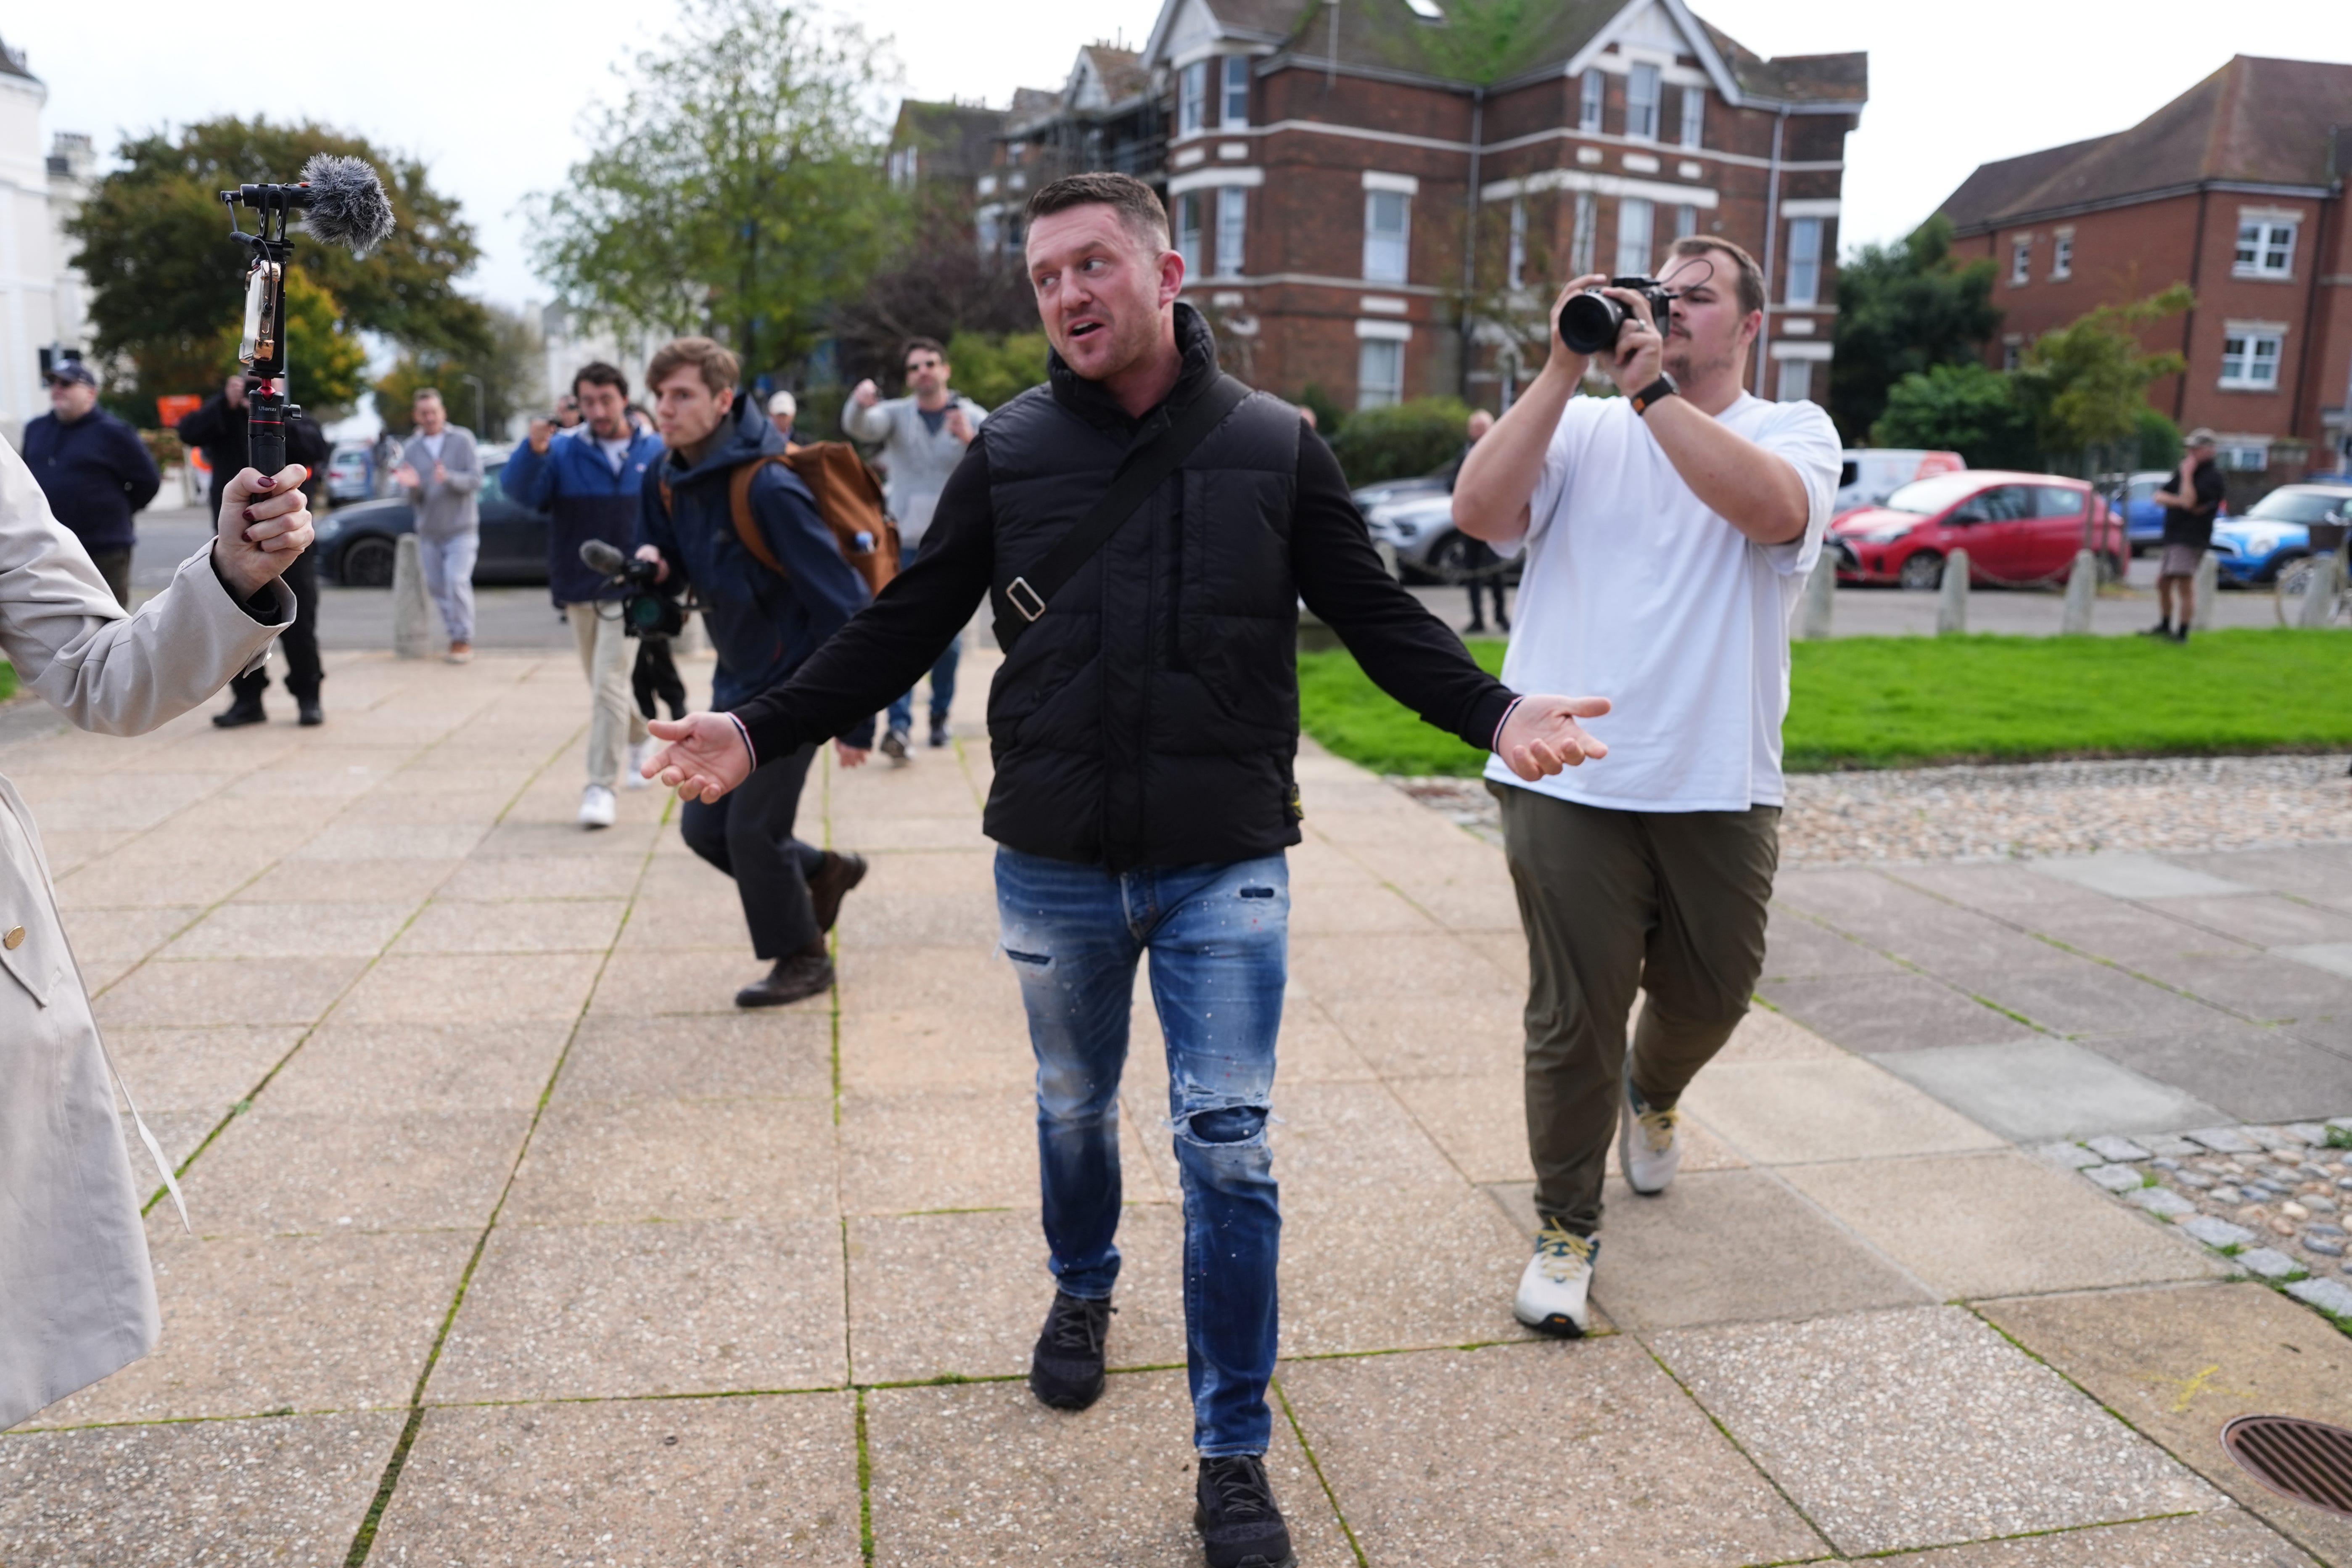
{"x": 2181, "y": 805}
{"x": 2270, "y": 1199}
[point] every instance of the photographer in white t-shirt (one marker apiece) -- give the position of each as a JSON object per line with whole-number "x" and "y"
{"x": 1667, "y": 533}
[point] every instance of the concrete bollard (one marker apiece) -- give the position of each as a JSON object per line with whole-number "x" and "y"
{"x": 412, "y": 607}
{"x": 2206, "y": 587}
{"x": 1952, "y": 607}
{"x": 1819, "y": 607}
{"x": 2082, "y": 589}
{"x": 2319, "y": 598}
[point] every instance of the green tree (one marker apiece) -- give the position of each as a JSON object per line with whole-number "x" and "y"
{"x": 993, "y": 369}
{"x": 2158, "y": 439}
{"x": 333, "y": 361}
{"x": 2086, "y": 383}
{"x": 167, "y": 281}
{"x": 1903, "y": 308}
{"x": 737, "y": 190}
{"x": 1971, "y": 408}
{"x": 511, "y": 368}
{"x": 1402, "y": 440}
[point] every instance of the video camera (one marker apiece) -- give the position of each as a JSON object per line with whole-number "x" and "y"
{"x": 645, "y": 610}
{"x": 1591, "y": 320}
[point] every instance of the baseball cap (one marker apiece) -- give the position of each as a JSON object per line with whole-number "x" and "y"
{"x": 784, "y": 402}
{"x": 71, "y": 370}
{"x": 2201, "y": 436}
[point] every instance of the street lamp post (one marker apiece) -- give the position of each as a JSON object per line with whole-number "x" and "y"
{"x": 481, "y": 405}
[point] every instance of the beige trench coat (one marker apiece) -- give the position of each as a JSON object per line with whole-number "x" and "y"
{"x": 76, "y": 1297}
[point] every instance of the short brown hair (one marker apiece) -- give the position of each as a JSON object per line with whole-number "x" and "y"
{"x": 1137, "y": 206}
{"x": 928, "y": 346}
{"x": 720, "y": 370}
{"x": 421, "y": 393}
{"x": 1751, "y": 277}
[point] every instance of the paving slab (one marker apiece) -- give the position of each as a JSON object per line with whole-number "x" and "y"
{"x": 765, "y": 1054}
{"x": 547, "y": 925}
{"x": 289, "y": 1489}
{"x": 198, "y": 1069}
{"x": 2034, "y": 1090}
{"x": 978, "y": 1046}
{"x": 2227, "y": 1539}
{"x": 983, "y": 1473}
{"x": 388, "y": 882}
{"x": 2088, "y": 1000}
{"x": 648, "y": 982}
{"x": 362, "y": 1070}
{"x": 1465, "y": 1457}
{"x": 1989, "y": 1443}
{"x": 890, "y": 1147}
{"x": 283, "y": 1323}
{"x": 269, "y": 931}
{"x": 1898, "y": 1012}
{"x": 162, "y": 994}
{"x": 2267, "y": 920}
{"x": 1425, "y": 1036}
{"x": 274, "y": 1172}
{"x": 2179, "y": 1363}
{"x": 2132, "y": 876}
{"x": 1481, "y": 1124}
{"x": 2253, "y": 1072}
{"x": 610, "y": 1310}
{"x": 735, "y": 1482}
{"x": 536, "y": 877}
{"x": 1796, "y": 948}
{"x": 2263, "y": 986}
{"x": 886, "y": 979}
{"x": 453, "y": 988}
{"x": 2335, "y": 957}
{"x": 1998, "y": 1223}
{"x": 1763, "y": 1034}
{"x": 612, "y": 1161}
{"x": 1800, "y": 1112}
{"x": 991, "y": 1266}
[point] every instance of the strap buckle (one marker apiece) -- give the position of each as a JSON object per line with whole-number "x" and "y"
{"x": 1022, "y": 596}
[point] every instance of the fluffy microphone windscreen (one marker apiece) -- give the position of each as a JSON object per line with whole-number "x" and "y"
{"x": 348, "y": 206}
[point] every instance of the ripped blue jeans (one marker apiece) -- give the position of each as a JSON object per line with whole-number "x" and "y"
{"x": 1219, "y": 940}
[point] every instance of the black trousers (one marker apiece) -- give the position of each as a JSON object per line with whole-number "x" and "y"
{"x": 299, "y": 641}
{"x": 748, "y": 833}
{"x": 114, "y": 565}
{"x": 655, "y": 675}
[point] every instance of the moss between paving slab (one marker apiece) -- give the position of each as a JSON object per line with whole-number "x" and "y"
{"x": 1883, "y": 702}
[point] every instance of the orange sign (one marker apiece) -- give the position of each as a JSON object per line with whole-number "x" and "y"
{"x": 170, "y": 410}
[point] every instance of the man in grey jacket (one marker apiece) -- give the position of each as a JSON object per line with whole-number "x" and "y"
{"x": 922, "y": 436}
{"x": 440, "y": 471}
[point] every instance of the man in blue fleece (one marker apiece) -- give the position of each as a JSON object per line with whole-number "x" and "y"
{"x": 763, "y": 623}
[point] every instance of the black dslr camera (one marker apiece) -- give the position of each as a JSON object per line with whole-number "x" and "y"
{"x": 645, "y": 610}
{"x": 1590, "y": 321}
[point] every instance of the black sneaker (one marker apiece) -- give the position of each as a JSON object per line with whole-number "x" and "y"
{"x": 938, "y": 729}
{"x": 309, "y": 716}
{"x": 244, "y": 710}
{"x": 893, "y": 746}
{"x": 832, "y": 883}
{"x": 2161, "y": 629}
{"x": 2180, "y": 633}
{"x": 1235, "y": 1513}
{"x": 1065, "y": 1370}
{"x": 794, "y": 979}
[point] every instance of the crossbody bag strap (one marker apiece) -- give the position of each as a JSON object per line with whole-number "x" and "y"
{"x": 1142, "y": 472}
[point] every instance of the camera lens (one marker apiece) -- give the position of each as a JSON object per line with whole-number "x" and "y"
{"x": 1590, "y": 322}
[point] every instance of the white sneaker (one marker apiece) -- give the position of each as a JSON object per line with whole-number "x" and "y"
{"x": 597, "y": 807}
{"x": 1649, "y": 1149}
{"x": 1551, "y": 1299}
{"x": 634, "y": 777}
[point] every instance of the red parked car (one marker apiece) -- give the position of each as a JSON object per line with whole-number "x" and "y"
{"x": 2020, "y": 529}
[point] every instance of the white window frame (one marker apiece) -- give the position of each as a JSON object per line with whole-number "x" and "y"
{"x": 1381, "y": 248}
{"x": 2021, "y": 261}
{"x": 1193, "y": 99}
{"x": 1187, "y": 231}
{"x": 1584, "y": 236}
{"x": 1514, "y": 264}
{"x": 2242, "y": 359}
{"x": 1795, "y": 383}
{"x": 1388, "y": 389}
{"x": 1637, "y": 235}
{"x": 2265, "y": 245}
{"x": 1642, "y": 112}
{"x": 2062, "y": 257}
{"x": 1591, "y": 93}
{"x": 1685, "y": 220}
{"x": 1233, "y": 230}
{"x": 1802, "y": 283}
{"x": 1693, "y": 117}
{"x": 2012, "y": 352}
{"x": 1236, "y": 73}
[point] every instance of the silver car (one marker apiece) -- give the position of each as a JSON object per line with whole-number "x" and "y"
{"x": 1414, "y": 519}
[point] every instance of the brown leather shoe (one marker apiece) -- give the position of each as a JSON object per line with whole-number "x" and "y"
{"x": 833, "y": 879}
{"x": 794, "y": 979}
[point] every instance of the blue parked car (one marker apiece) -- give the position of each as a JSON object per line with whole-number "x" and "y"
{"x": 2276, "y": 531}
{"x": 2143, "y": 518}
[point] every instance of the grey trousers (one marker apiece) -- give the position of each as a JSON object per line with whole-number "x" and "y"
{"x": 1668, "y": 903}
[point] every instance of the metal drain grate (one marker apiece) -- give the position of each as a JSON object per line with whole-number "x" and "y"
{"x": 2309, "y": 1461}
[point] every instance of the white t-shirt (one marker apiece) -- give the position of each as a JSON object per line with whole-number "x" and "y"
{"x": 1635, "y": 590}
{"x": 615, "y": 451}
{"x": 433, "y": 444}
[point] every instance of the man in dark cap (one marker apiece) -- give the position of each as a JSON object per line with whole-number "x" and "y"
{"x": 95, "y": 471}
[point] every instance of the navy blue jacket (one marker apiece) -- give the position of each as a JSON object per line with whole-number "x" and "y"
{"x": 584, "y": 500}
{"x": 762, "y": 625}
{"x": 95, "y": 471}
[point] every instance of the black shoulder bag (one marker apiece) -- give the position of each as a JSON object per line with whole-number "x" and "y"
{"x": 1140, "y": 471}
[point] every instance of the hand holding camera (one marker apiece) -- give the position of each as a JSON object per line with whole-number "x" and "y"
{"x": 542, "y": 431}
{"x": 645, "y": 609}
{"x": 1627, "y": 318}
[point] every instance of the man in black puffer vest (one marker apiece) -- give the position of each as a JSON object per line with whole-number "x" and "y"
{"x": 1143, "y": 727}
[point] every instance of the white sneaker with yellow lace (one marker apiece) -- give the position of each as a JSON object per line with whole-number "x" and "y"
{"x": 1552, "y": 1292}
{"x": 1649, "y": 1147}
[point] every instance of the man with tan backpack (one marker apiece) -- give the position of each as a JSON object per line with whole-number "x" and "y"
{"x": 782, "y": 549}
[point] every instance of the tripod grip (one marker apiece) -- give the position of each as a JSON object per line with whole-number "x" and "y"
{"x": 266, "y": 436}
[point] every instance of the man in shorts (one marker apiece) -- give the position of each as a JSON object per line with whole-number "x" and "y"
{"x": 2189, "y": 507}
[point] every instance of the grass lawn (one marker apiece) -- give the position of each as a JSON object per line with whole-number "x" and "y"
{"x": 7, "y": 681}
{"x": 1881, "y": 703}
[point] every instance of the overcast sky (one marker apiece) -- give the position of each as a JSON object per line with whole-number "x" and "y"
{"x": 491, "y": 96}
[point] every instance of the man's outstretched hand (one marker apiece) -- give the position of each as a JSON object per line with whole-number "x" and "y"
{"x": 1542, "y": 735}
{"x": 705, "y": 756}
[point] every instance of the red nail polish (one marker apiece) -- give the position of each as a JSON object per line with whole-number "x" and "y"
{"x": 265, "y": 483}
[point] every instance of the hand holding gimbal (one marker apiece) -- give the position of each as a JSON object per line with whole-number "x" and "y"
{"x": 645, "y": 609}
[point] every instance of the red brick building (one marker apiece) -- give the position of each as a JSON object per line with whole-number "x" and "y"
{"x": 2235, "y": 188}
{"x": 1358, "y": 213}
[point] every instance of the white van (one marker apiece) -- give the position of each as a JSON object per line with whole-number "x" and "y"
{"x": 1871, "y": 474}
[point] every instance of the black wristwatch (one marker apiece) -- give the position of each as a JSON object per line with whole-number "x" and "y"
{"x": 1661, "y": 388}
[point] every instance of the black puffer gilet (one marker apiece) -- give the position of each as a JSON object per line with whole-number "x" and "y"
{"x": 1150, "y": 716}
